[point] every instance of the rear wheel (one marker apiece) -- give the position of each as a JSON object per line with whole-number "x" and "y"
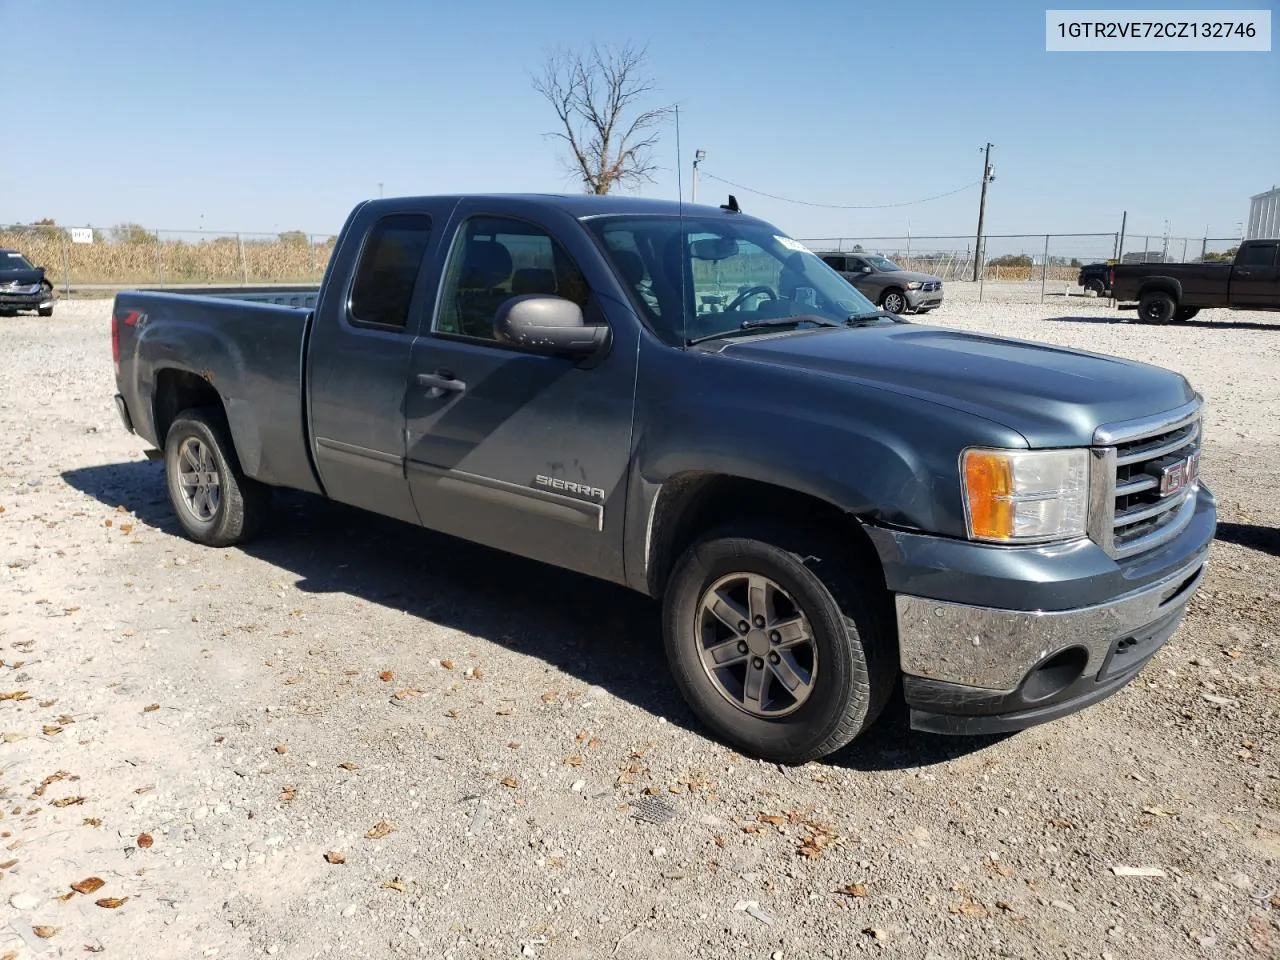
{"x": 1097, "y": 286}
{"x": 1183, "y": 314}
{"x": 1157, "y": 307}
{"x": 215, "y": 503}
{"x": 45, "y": 311}
{"x": 777, "y": 641}
{"x": 894, "y": 301}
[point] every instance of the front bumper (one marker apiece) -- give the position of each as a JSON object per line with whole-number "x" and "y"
{"x": 1086, "y": 627}
{"x": 926, "y": 299}
{"x": 25, "y": 301}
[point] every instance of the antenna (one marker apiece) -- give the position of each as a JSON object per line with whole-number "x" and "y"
{"x": 680, "y": 245}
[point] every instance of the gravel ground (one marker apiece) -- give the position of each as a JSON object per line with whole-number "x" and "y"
{"x": 346, "y": 740}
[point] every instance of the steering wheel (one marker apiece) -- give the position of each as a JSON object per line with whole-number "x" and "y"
{"x": 749, "y": 292}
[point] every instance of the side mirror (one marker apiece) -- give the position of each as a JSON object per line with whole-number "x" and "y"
{"x": 865, "y": 270}
{"x": 547, "y": 324}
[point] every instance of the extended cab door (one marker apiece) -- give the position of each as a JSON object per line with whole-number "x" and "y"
{"x": 1255, "y": 278}
{"x": 358, "y": 354}
{"x": 521, "y": 451}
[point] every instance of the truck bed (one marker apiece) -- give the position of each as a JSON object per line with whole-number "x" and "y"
{"x": 248, "y": 348}
{"x": 288, "y": 296}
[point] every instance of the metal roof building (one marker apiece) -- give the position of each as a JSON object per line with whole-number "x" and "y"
{"x": 1264, "y": 216}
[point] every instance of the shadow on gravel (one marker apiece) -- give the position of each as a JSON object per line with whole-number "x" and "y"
{"x": 1251, "y": 535}
{"x": 1208, "y": 324}
{"x": 605, "y": 635}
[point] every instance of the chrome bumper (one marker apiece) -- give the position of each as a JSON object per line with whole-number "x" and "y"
{"x": 995, "y": 649}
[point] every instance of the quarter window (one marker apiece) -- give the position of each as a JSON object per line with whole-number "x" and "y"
{"x": 388, "y": 270}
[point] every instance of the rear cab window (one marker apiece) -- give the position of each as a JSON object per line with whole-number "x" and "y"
{"x": 388, "y": 271}
{"x": 1260, "y": 255}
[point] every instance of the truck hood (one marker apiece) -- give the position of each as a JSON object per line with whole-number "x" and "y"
{"x": 1051, "y": 395}
{"x": 907, "y": 276}
{"x": 24, "y": 276}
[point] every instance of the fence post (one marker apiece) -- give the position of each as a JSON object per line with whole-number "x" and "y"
{"x": 1044, "y": 267}
{"x": 66, "y": 264}
{"x": 1204, "y": 248}
{"x": 244, "y": 266}
{"x": 311, "y": 249}
{"x": 159, "y": 261}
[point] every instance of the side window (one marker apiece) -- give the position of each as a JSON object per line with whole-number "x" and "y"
{"x": 855, "y": 264}
{"x": 494, "y": 259}
{"x": 835, "y": 263}
{"x": 1261, "y": 255}
{"x": 388, "y": 269}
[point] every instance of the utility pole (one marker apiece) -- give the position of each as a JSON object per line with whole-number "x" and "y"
{"x": 982, "y": 210}
{"x": 698, "y": 157}
{"x": 379, "y": 189}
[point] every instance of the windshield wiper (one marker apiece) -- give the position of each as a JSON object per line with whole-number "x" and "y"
{"x": 866, "y": 319}
{"x": 748, "y": 325}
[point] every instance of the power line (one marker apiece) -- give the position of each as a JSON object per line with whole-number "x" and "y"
{"x": 841, "y": 206}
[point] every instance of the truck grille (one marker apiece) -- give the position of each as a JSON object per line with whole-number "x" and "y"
{"x": 1145, "y": 481}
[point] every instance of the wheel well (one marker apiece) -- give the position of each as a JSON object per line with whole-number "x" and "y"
{"x": 691, "y": 504}
{"x": 1159, "y": 286}
{"x": 888, "y": 290}
{"x": 178, "y": 390}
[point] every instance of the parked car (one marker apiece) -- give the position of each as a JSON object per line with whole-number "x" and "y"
{"x": 885, "y": 283}
{"x": 1095, "y": 277}
{"x": 1176, "y": 292}
{"x": 23, "y": 286}
{"x": 829, "y": 501}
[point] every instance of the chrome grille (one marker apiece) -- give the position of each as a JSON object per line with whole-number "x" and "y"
{"x": 1129, "y": 514}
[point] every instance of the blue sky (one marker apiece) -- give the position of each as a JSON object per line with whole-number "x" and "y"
{"x": 280, "y": 115}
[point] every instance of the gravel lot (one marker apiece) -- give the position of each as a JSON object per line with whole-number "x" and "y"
{"x": 464, "y": 732}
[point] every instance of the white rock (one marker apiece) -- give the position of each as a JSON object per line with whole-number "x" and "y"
{"x": 349, "y": 910}
{"x": 659, "y": 852}
{"x": 578, "y": 785}
{"x": 23, "y": 901}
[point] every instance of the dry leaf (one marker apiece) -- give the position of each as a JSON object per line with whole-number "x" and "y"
{"x": 68, "y": 801}
{"x": 718, "y": 841}
{"x": 451, "y": 714}
{"x": 126, "y": 528}
{"x": 511, "y": 782}
{"x": 43, "y": 932}
{"x": 281, "y": 748}
{"x": 548, "y": 696}
{"x": 151, "y": 708}
{"x": 120, "y": 508}
{"x": 145, "y": 841}
{"x": 46, "y": 704}
{"x": 447, "y": 664}
{"x": 146, "y": 789}
{"x": 774, "y": 820}
{"x": 15, "y": 695}
{"x": 50, "y": 731}
{"x": 110, "y": 903}
{"x": 593, "y": 743}
{"x": 379, "y": 830}
{"x": 334, "y": 857}
{"x": 91, "y": 822}
{"x": 66, "y": 896}
{"x": 477, "y": 673}
{"x": 504, "y": 712}
{"x": 970, "y": 908}
{"x": 854, "y": 890}
{"x": 288, "y": 793}
{"x": 351, "y": 673}
{"x": 89, "y": 885}
{"x": 582, "y": 735}
{"x": 50, "y": 779}
{"x": 513, "y": 745}
{"x": 107, "y": 522}
{"x": 8, "y": 863}
{"x": 348, "y": 765}
{"x": 406, "y": 693}
{"x": 574, "y": 761}
{"x": 66, "y": 719}
{"x": 386, "y": 676}
{"x": 393, "y": 885}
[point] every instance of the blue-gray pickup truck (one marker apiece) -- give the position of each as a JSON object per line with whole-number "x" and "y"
{"x": 830, "y": 502}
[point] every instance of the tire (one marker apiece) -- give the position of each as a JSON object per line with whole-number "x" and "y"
{"x": 848, "y": 657}
{"x": 1097, "y": 286}
{"x": 1183, "y": 314}
{"x": 228, "y": 512}
{"x": 45, "y": 311}
{"x": 922, "y": 311}
{"x": 1157, "y": 307}
{"x": 894, "y": 301}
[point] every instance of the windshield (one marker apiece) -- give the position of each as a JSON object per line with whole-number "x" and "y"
{"x": 14, "y": 261}
{"x": 725, "y": 273}
{"x": 882, "y": 263}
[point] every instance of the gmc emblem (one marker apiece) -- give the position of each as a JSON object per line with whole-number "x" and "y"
{"x": 1177, "y": 476}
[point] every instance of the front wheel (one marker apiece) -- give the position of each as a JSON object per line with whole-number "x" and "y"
{"x": 1097, "y": 286}
{"x": 777, "y": 642}
{"x": 1183, "y": 314}
{"x": 216, "y": 504}
{"x": 894, "y": 301}
{"x": 45, "y": 311}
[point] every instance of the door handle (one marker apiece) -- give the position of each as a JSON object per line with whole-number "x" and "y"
{"x": 442, "y": 380}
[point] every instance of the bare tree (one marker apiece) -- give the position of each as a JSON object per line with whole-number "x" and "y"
{"x": 598, "y": 98}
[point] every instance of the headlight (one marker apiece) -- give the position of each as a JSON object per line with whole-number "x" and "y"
{"x": 914, "y": 285}
{"x": 1026, "y": 496}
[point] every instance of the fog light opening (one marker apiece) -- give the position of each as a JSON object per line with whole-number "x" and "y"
{"x": 1055, "y": 674}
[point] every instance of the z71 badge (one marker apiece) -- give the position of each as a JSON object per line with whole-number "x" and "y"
{"x": 568, "y": 486}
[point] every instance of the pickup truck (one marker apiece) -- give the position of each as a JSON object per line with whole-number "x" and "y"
{"x": 1164, "y": 292}
{"x": 831, "y": 503}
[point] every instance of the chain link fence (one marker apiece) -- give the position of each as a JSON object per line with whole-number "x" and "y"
{"x": 92, "y": 257}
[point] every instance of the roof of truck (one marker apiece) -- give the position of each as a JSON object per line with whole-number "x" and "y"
{"x": 581, "y": 205}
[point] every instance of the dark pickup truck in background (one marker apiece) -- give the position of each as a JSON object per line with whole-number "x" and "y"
{"x": 1164, "y": 292}
{"x": 830, "y": 502}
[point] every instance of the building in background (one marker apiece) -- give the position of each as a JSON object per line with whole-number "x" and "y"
{"x": 1264, "y": 216}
